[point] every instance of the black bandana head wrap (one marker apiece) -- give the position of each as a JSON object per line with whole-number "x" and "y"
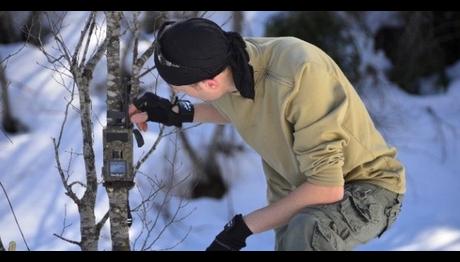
{"x": 197, "y": 49}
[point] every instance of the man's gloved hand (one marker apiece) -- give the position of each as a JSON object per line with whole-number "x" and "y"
{"x": 160, "y": 110}
{"x": 233, "y": 237}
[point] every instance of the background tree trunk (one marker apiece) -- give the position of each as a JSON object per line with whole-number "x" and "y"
{"x": 9, "y": 124}
{"x": 2, "y": 248}
{"x": 7, "y": 34}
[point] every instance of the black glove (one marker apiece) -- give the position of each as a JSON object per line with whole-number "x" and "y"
{"x": 233, "y": 237}
{"x": 160, "y": 110}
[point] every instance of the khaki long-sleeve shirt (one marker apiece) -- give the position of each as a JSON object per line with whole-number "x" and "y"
{"x": 307, "y": 122}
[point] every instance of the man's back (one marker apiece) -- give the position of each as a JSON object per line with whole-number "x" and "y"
{"x": 307, "y": 121}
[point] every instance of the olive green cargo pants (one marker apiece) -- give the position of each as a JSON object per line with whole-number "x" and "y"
{"x": 365, "y": 212}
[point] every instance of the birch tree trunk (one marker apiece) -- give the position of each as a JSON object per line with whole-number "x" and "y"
{"x": 118, "y": 195}
{"x": 88, "y": 230}
{"x": 82, "y": 75}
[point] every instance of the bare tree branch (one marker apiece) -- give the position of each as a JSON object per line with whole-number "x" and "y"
{"x": 63, "y": 48}
{"x": 101, "y": 223}
{"x": 66, "y": 112}
{"x": 441, "y": 133}
{"x": 203, "y": 14}
{"x": 152, "y": 148}
{"x": 54, "y": 69}
{"x": 92, "y": 62}
{"x": 135, "y": 68}
{"x": 88, "y": 39}
{"x": 178, "y": 242}
{"x": 145, "y": 56}
{"x": 161, "y": 208}
{"x": 67, "y": 240}
{"x": 12, "y": 54}
{"x": 68, "y": 189}
{"x": 69, "y": 164}
{"x": 89, "y": 23}
{"x": 148, "y": 70}
{"x": 55, "y": 29}
{"x": 64, "y": 179}
{"x": 7, "y": 137}
{"x": 77, "y": 183}
{"x": 163, "y": 229}
{"x": 136, "y": 25}
{"x": 151, "y": 225}
{"x": 64, "y": 225}
{"x": 149, "y": 198}
{"x": 139, "y": 63}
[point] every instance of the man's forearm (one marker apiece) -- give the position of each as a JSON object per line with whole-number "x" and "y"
{"x": 279, "y": 213}
{"x": 206, "y": 113}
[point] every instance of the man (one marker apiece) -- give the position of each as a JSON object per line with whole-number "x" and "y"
{"x": 333, "y": 182}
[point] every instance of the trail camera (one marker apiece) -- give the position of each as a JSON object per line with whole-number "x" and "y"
{"x": 118, "y": 154}
{"x": 118, "y": 140}
{"x": 118, "y": 145}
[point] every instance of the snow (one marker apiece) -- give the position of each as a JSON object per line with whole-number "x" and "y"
{"x": 424, "y": 129}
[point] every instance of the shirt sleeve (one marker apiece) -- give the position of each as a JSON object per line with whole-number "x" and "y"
{"x": 316, "y": 112}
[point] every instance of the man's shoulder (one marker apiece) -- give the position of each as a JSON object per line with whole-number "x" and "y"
{"x": 282, "y": 56}
{"x": 276, "y": 44}
{"x": 272, "y": 40}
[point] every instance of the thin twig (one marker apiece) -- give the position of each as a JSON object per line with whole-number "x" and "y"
{"x": 157, "y": 216}
{"x": 171, "y": 221}
{"x": 226, "y": 21}
{"x": 146, "y": 55}
{"x": 7, "y": 137}
{"x": 170, "y": 218}
{"x": 151, "y": 196}
{"x": 178, "y": 242}
{"x": 136, "y": 34}
{"x": 203, "y": 14}
{"x": 145, "y": 244}
{"x": 68, "y": 240}
{"x": 154, "y": 146}
{"x": 66, "y": 112}
{"x": 69, "y": 165}
{"x": 69, "y": 191}
{"x": 56, "y": 70}
{"x": 14, "y": 215}
{"x": 12, "y": 54}
{"x": 175, "y": 130}
{"x": 147, "y": 71}
{"x": 64, "y": 226}
{"x": 77, "y": 183}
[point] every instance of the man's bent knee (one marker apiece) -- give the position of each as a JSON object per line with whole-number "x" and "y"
{"x": 306, "y": 232}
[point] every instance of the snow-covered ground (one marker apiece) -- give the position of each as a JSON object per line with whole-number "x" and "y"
{"x": 424, "y": 129}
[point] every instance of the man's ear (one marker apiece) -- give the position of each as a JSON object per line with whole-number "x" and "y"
{"x": 210, "y": 83}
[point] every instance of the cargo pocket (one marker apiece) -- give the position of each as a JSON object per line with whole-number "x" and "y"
{"x": 357, "y": 210}
{"x": 392, "y": 213}
{"x": 323, "y": 239}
